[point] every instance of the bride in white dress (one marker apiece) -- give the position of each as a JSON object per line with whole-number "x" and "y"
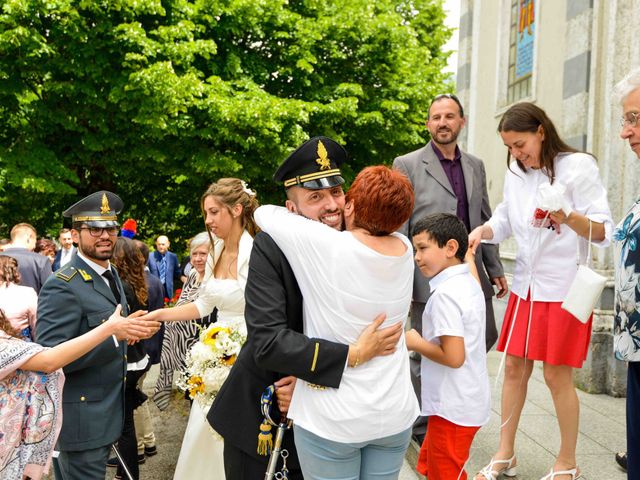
{"x": 228, "y": 207}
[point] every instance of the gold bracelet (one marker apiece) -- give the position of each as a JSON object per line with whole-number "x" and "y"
{"x": 357, "y": 362}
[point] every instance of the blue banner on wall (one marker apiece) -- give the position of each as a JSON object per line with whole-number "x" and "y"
{"x": 524, "y": 42}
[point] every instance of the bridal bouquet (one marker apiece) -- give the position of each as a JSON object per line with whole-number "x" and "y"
{"x": 209, "y": 361}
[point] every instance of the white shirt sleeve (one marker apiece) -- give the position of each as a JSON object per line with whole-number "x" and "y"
{"x": 445, "y": 315}
{"x": 587, "y": 193}
{"x": 499, "y": 221}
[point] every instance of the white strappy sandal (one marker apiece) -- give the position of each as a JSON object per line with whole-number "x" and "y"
{"x": 573, "y": 472}
{"x": 491, "y": 474}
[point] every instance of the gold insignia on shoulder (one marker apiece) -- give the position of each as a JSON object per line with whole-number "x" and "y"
{"x": 105, "y": 208}
{"x": 323, "y": 160}
{"x": 85, "y": 276}
{"x": 65, "y": 274}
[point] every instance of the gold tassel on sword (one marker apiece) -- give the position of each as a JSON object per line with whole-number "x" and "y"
{"x": 266, "y": 444}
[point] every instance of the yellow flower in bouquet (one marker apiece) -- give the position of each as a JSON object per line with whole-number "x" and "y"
{"x": 195, "y": 386}
{"x": 209, "y": 360}
{"x": 212, "y": 333}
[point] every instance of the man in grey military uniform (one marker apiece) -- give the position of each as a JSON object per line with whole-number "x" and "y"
{"x": 77, "y": 298}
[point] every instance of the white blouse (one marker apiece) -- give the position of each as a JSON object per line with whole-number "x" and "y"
{"x": 345, "y": 285}
{"x": 546, "y": 261}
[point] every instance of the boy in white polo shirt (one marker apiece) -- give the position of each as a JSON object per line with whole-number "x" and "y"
{"x": 455, "y": 383}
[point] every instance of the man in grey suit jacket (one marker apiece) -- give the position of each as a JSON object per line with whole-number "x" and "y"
{"x": 447, "y": 180}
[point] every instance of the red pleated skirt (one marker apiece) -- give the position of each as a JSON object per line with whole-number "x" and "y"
{"x": 555, "y": 336}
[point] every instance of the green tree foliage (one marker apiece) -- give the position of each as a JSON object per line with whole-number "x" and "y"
{"x": 155, "y": 99}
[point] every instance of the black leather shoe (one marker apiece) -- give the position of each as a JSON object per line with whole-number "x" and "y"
{"x": 150, "y": 451}
{"x": 621, "y": 459}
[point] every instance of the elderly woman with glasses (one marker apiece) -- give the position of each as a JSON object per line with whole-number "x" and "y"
{"x": 626, "y": 323}
{"x": 179, "y": 337}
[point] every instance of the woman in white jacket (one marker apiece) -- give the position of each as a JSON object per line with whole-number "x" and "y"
{"x": 535, "y": 327}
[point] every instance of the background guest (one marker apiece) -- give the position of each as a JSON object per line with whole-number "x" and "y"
{"x": 46, "y": 247}
{"x": 19, "y": 302}
{"x": 34, "y": 268}
{"x": 66, "y": 249}
{"x": 130, "y": 264}
{"x": 164, "y": 265}
{"x": 153, "y": 346}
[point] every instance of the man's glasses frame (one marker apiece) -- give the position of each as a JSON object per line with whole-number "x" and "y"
{"x": 97, "y": 231}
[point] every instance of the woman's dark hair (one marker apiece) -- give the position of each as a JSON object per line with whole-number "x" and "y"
{"x": 130, "y": 264}
{"x": 9, "y": 272}
{"x": 527, "y": 117}
{"x": 382, "y": 200}
{"x": 6, "y": 326}
{"x": 46, "y": 247}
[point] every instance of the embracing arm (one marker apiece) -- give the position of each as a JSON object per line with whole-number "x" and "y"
{"x": 274, "y": 321}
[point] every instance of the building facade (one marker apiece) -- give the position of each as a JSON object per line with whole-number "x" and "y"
{"x": 565, "y": 56}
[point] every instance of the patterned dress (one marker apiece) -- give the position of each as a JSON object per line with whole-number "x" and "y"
{"x": 626, "y": 322}
{"x": 30, "y": 411}
{"x": 179, "y": 337}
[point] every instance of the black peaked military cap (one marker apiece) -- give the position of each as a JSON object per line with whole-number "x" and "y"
{"x": 314, "y": 165}
{"x": 99, "y": 209}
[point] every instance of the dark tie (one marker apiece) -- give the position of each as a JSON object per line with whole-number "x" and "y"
{"x": 162, "y": 270}
{"x": 112, "y": 284}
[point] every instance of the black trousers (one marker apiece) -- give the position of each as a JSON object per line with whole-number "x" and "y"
{"x": 128, "y": 443}
{"x": 633, "y": 421}
{"x": 240, "y": 466}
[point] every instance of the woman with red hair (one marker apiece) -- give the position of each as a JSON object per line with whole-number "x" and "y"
{"x": 362, "y": 429}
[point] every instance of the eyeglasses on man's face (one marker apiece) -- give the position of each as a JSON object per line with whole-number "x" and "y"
{"x": 630, "y": 119}
{"x": 97, "y": 231}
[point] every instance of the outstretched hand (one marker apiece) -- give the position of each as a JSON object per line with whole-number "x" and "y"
{"x": 375, "y": 341}
{"x": 132, "y": 327}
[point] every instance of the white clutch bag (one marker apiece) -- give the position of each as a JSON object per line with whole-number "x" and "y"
{"x": 585, "y": 290}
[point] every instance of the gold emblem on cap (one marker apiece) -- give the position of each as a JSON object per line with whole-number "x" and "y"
{"x": 323, "y": 160}
{"x": 105, "y": 208}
